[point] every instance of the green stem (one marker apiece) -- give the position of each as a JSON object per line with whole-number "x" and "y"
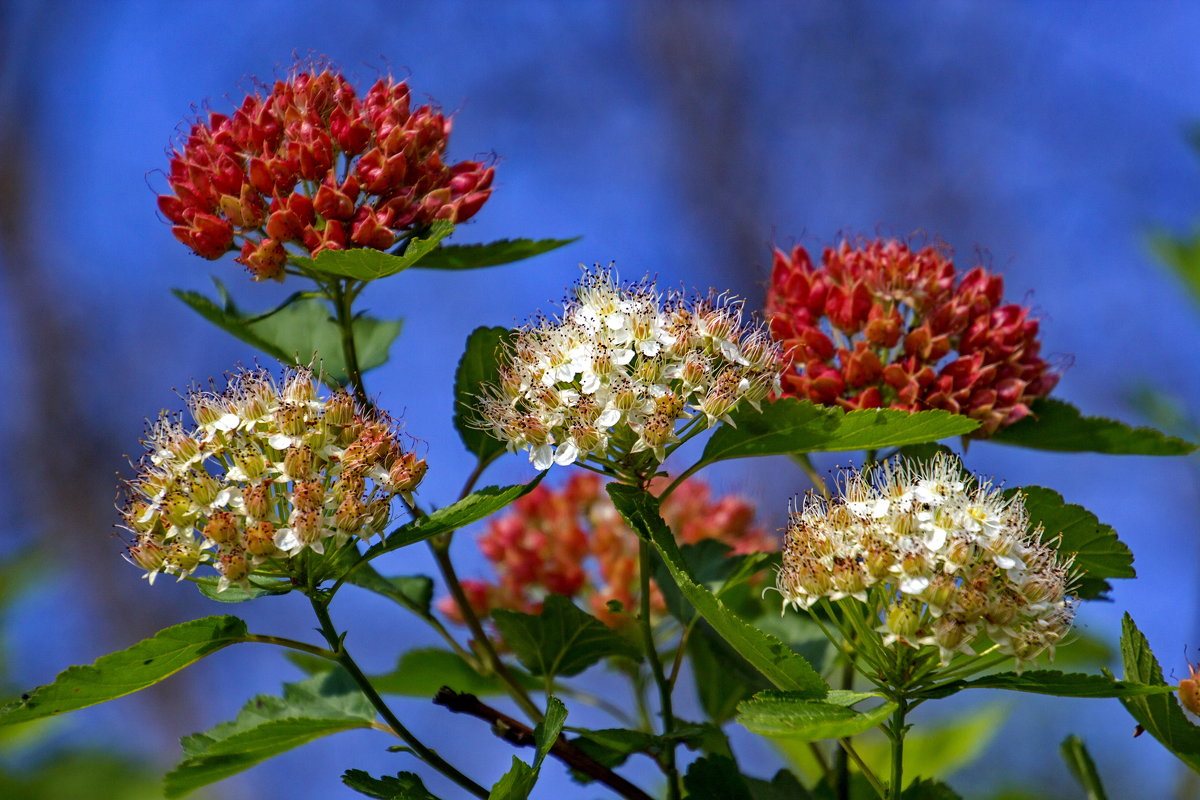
{"x": 645, "y": 565}
{"x": 292, "y": 644}
{"x": 842, "y": 761}
{"x": 493, "y": 662}
{"x": 896, "y": 731}
{"x": 343, "y": 301}
{"x": 811, "y": 471}
{"x": 342, "y": 656}
{"x": 862, "y": 766}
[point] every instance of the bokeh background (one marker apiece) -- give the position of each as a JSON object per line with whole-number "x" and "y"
{"x": 679, "y": 138}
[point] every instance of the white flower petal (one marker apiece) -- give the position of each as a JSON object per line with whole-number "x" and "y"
{"x": 542, "y": 456}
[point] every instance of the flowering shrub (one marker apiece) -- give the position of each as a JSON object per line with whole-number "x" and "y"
{"x": 924, "y": 580}
{"x": 878, "y": 325}
{"x": 544, "y": 544}
{"x": 311, "y": 166}
{"x": 621, "y": 368}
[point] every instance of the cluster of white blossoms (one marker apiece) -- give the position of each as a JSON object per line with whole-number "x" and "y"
{"x": 625, "y": 357}
{"x": 941, "y": 559}
{"x": 268, "y": 471}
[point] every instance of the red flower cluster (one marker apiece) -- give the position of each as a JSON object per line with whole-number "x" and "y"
{"x": 879, "y": 325}
{"x": 543, "y": 544}
{"x": 313, "y": 165}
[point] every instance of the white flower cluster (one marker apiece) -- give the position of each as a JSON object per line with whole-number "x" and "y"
{"x": 266, "y": 473}
{"x": 941, "y": 559}
{"x": 625, "y": 358}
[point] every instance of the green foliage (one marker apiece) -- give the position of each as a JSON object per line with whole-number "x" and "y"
{"x": 939, "y": 748}
{"x": 1059, "y": 426}
{"x": 299, "y": 332}
{"x": 709, "y": 562}
{"x": 414, "y": 592}
{"x": 81, "y": 775}
{"x": 923, "y": 789}
{"x": 127, "y": 671}
{"x": 1053, "y": 682}
{"x": 518, "y": 782}
{"x": 1182, "y": 255}
{"x": 1080, "y": 762}
{"x": 235, "y": 593}
{"x": 784, "y": 668}
{"x": 479, "y": 366}
{"x": 404, "y": 786}
{"x": 267, "y": 726}
{"x": 722, "y": 677}
{"x": 784, "y": 786}
{"x": 785, "y": 715}
{"x": 1159, "y": 714}
{"x": 562, "y": 640}
{"x": 794, "y": 426}
{"x": 420, "y": 673}
{"x": 475, "y": 256}
{"x": 365, "y": 264}
{"x": 714, "y": 777}
{"x": 1099, "y": 554}
{"x": 471, "y": 508}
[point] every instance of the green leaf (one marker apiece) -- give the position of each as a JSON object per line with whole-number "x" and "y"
{"x": 420, "y": 673}
{"x": 1159, "y": 715}
{"x": 1059, "y": 684}
{"x": 1099, "y": 554}
{"x": 613, "y": 746}
{"x": 128, "y": 671}
{"x": 789, "y": 425}
{"x": 471, "y": 508}
{"x": 1059, "y": 426}
{"x": 404, "y": 786}
{"x": 782, "y": 667}
{"x": 518, "y": 782}
{"x": 924, "y": 789}
{"x": 1183, "y": 256}
{"x": 714, "y": 777}
{"x": 365, "y": 264}
{"x": 710, "y": 564}
{"x": 723, "y": 678}
{"x": 236, "y": 594}
{"x": 299, "y": 333}
{"x": 1079, "y": 761}
{"x": 504, "y": 251}
{"x": 784, "y": 715}
{"x": 414, "y": 592}
{"x": 267, "y": 726}
{"x": 479, "y": 366}
{"x": 784, "y": 786}
{"x": 562, "y": 640}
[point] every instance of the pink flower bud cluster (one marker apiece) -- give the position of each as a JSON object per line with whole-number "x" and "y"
{"x": 266, "y": 472}
{"x": 312, "y": 166}
{"x": 572, "y": 541}
{"x": 939, "y": 558}
{"x": 879, "y": 325}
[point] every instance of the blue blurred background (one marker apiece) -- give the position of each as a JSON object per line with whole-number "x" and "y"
{"x": 680, "y": 138}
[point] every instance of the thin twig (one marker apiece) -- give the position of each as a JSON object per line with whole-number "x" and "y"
{"x": 521, "y": 735}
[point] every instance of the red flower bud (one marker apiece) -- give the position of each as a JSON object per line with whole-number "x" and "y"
{"x": 368, "y": 232}
{"x": 265, "y": 260}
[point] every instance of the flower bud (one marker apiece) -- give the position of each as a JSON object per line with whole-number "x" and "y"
{"x": 298, "y": 462}
{"x": 257, "y": 501}
{"x": 260, "y": 539}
